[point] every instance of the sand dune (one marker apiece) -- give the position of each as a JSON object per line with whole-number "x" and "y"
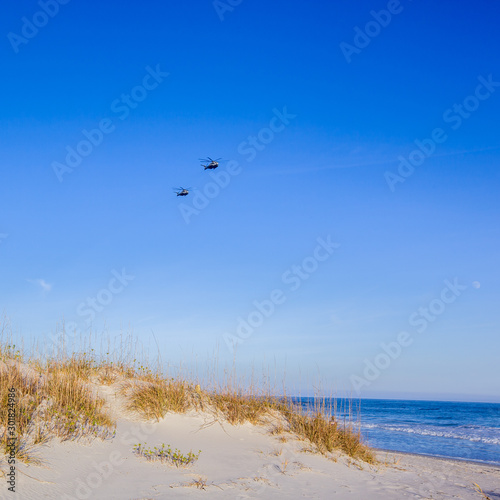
{"x": 236, "y": 462}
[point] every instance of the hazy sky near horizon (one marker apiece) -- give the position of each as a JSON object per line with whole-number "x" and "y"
{"x": 353, "y": 221}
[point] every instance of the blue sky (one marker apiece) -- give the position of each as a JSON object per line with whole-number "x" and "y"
{"x": 311, "y": 105}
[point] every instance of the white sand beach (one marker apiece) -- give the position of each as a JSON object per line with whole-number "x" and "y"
{"x": 236, "y": 462}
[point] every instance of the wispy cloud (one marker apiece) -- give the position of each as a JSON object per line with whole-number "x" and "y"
{"x": 46, "y": 287}
{"x": 381, "y": 159}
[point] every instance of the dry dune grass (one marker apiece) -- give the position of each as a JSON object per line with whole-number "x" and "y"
{"x": 155, "y": 399}
{"x": 51, "y": 400}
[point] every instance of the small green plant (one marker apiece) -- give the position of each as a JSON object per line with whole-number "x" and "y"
{"x": 166, "y": 455}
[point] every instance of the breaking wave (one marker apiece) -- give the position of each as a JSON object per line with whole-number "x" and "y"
{"x": 456, "y": 433}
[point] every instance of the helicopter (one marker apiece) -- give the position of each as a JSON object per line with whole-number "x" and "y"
{"x": 211, "y": 163}
{"x": 182, "y": 191}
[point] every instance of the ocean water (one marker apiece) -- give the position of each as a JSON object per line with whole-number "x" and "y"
{"x": 467, "y": 431}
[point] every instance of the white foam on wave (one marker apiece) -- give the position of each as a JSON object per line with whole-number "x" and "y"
{"x": 436, "y": 433}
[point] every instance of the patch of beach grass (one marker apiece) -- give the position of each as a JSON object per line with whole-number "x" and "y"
{"x": 153, "y": 400}
{"x": 327, "y": 435}
{"x": 47, "y": 400}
